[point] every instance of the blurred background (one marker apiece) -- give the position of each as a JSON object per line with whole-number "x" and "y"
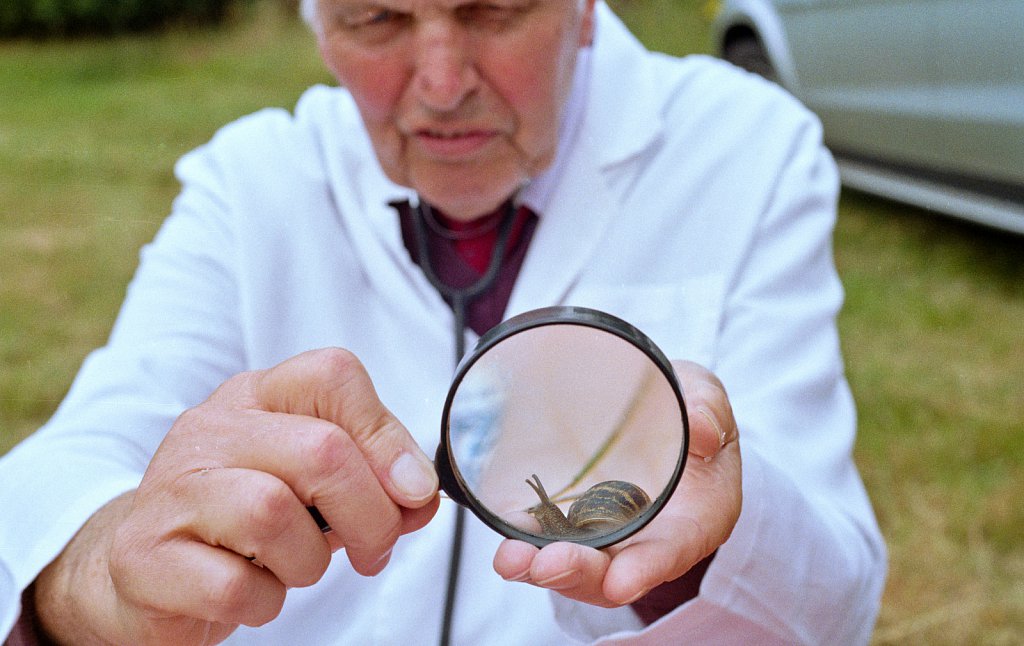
{"x": 98, "y": 99}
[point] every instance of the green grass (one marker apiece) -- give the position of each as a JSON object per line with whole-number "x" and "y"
{"x": 935, "y": 352}
{"x": 89, "y": 132}
{"x": 932, "y": 329}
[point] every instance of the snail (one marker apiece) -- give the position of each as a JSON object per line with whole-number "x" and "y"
{"x": 602, "y": 508}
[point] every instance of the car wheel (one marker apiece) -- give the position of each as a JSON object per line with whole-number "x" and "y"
{"x": 747, "y": 52}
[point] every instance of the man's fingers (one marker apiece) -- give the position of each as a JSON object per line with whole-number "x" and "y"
{"x": 318, "y": 461}
{"x": 574, "y": 571}
{"x": 256, "y": 515}
{"x": 332, "y": 384}
{"x": 641, "y": 566}
{"x": 513, "y": 560}
{"x": 416, "y": 519}
{"x": 599, "y": 577}
{"x": 212, "y": 584}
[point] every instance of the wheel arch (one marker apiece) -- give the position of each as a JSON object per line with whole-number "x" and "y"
{"x": 760, "y": 20}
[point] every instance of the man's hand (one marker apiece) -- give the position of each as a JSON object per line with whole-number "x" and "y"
{"x": 697, "y": 519}
{"x": 218, "y": 529}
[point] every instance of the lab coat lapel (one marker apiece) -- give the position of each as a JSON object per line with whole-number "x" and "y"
{"x": 618, "y": 126}
{"x": 381, "y": 241}
{"x": 362, "y": 194}
{"x": 565, "y": 240}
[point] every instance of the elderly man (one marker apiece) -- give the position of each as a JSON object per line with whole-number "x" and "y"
{"x": 167, "y": 500}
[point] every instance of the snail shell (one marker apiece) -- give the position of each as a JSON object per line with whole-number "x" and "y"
{"x": 602, "y": 508}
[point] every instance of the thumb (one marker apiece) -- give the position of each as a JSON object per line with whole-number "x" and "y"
{"x": 332, "y": 384}
{"x": 712, "y": 425}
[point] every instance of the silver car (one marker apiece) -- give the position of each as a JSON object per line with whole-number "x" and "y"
{"x": 922, "y": 101}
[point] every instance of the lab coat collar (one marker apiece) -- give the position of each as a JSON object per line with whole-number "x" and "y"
{"x": 621, "y": 119}
{"x": 617, "y": 123}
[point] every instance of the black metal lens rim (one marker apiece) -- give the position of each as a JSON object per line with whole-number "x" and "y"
{"x": 450, "y": 479}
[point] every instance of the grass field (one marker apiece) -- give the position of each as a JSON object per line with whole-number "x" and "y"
{"x": 933, "y": 328}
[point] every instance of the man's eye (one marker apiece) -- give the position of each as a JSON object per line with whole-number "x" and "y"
{"x": 378, "y": 17}
{"x": 484, "y": 13}
{"x": 367, "y": 17}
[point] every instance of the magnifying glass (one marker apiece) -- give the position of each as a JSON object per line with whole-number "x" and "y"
{"x": 563, "y": 424}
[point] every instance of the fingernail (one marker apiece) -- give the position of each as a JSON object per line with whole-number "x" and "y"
{"x": 560, "y": 581}
{"x": 636, "y": 597}
{"x": 521, "y": 577}
{"x": 415, "y": 478}
{"x": 384, "y": 557}
{"x": 711, "y": 419}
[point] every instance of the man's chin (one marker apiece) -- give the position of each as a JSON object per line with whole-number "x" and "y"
{"x": 466, "y": 203}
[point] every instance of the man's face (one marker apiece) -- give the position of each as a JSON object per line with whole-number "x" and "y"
{"x": 462, "y": 98}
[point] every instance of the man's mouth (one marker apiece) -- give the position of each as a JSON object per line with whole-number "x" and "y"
{"x": 446, "y": 134}
{"x": 453, "y": 144}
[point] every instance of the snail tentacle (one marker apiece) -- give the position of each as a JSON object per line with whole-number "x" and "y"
{"x": 603, "y": 507}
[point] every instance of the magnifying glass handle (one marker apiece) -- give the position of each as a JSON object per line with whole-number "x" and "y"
{"x": 321, "y": 522}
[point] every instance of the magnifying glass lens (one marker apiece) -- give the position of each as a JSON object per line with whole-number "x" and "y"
{"x": 565, "y": 430}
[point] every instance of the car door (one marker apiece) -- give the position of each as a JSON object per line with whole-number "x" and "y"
{"x": 865, "y": 67}
{"x": 980, "y": 98}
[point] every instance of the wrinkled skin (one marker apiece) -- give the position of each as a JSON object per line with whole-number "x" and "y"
{"x": 695, "y": 521}
{"x": 462, "y": 102}
{"x": 218, "y": 529}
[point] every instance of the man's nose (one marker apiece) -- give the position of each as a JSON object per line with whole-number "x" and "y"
{"x": 445, "y": 67}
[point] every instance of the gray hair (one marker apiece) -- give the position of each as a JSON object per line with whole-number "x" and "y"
{"x": 307, "y": 9}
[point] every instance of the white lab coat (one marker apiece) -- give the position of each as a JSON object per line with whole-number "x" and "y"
{"x": 691, "y": 199}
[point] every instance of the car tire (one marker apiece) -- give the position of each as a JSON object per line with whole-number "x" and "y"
{"x": 747, "y": 52}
